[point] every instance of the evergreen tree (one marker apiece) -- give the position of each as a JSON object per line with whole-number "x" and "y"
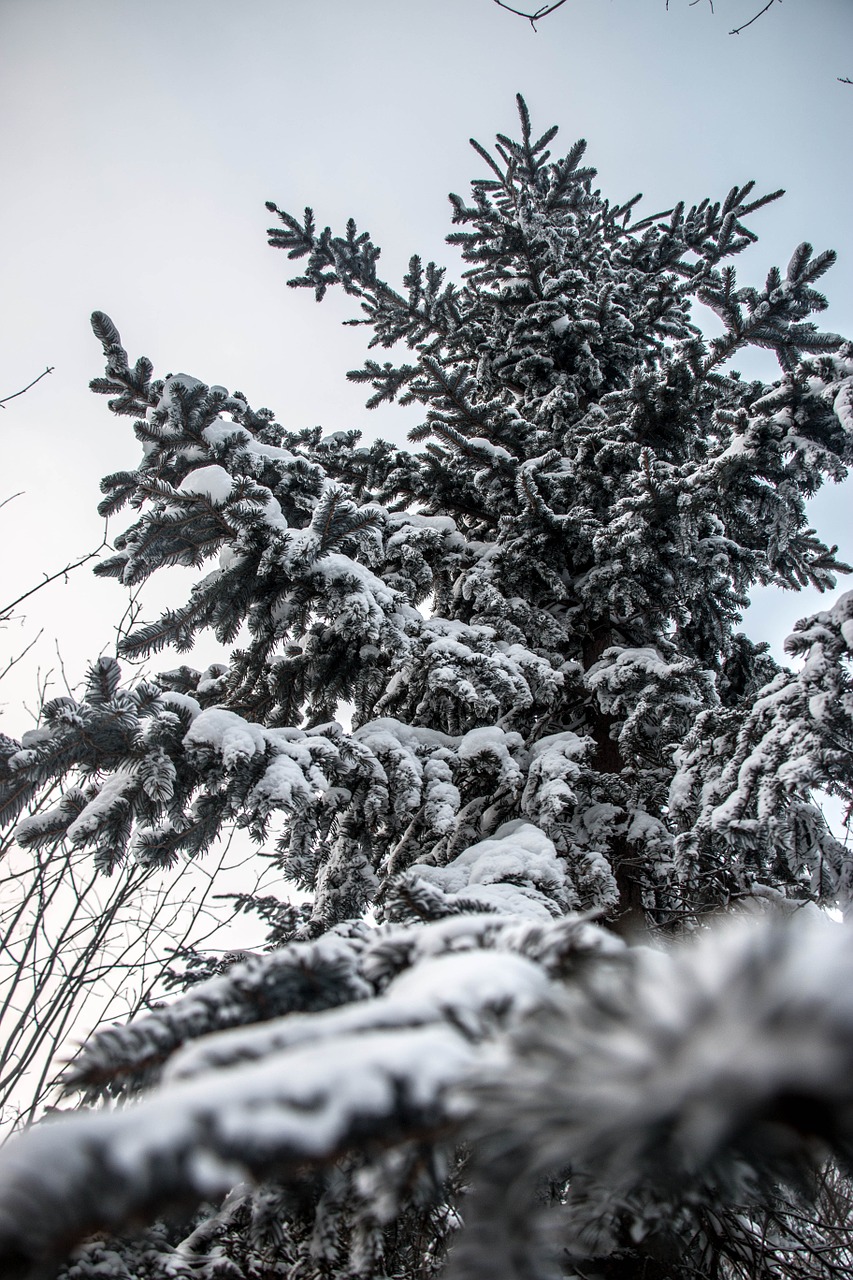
{"x": 564, "y": 757}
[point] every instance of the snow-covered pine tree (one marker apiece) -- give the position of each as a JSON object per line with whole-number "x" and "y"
{"x": 563, "y": 757}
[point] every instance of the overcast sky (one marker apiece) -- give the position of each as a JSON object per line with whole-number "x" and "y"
{"x": 140, "y": 141}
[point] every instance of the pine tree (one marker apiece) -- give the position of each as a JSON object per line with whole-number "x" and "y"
{"x": 564, "y": 761}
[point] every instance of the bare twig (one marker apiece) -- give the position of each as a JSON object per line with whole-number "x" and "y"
{"x": 545, "y": 9}
{"x": 737, "y": 30}
{"x": 128, "y": 619}
{"x": 61, "y": 662}
{"x": 532, "y": 18}
{"x": 14, "y": 661}
{"x": 79, "y": 949}
{"x": 5, "y": 610}
{"x": 43, "y": 683}
{"x": 12, "y": 497}
{"x": 5, "y": 399}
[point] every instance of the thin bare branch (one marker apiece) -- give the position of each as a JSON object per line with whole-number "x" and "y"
{"x": 14, "y": 661}
{"x": 129, "y": 618}
{"x": 737, "y": 30}
{"x": 14, "y": 394}
{"x": 532, "y": 18}
{"x": 5, "y": 610}
{"x": 12, "y": 497}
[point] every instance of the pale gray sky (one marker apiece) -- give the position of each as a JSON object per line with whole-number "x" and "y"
{"x": 140, "y": 141}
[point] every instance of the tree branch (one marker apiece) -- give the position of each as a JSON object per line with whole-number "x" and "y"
{"x": 545, "y": 9}
{"x": 532, "y": 18}
{"x": 737, "y": 30}
{"x": 12, "y": 497}
{"x": 48, "y": 370}
{"x": 5, "y": 610}
{"x": 14, "y": 661}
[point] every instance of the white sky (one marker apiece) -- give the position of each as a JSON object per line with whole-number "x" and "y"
{"x": 140, "y": 142}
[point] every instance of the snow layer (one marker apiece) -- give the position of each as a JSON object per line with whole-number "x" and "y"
{"x": 212, "y": 482}
{"x": 516, "y": 871}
